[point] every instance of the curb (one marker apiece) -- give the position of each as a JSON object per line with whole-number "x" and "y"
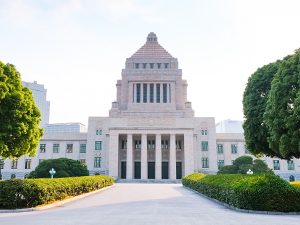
{"x": 55, "y": 204}
{"x": 242, "y": 210}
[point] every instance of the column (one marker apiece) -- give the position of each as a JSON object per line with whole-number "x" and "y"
{"x": 129, "y": 165}
{"x": 172, "y": 160}
{"x": 130, "y": 94}
{"x": 142, "y": 93}
{"x": 134, "y": 92}
{"x": 144, "y": 163}
{"x": 158, "y": 157}
{"x": 113, "y": 163}
{"x": 188, "y": 153}
{"x": 148, "y": 93}
{"x": 161, "y": 93}
{"x": 168, "y": 93}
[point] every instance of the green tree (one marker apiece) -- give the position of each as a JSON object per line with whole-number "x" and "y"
{"x": 19, "y": 116}
{"x": 254, "y": 105}
{"x": 260, "y": 166}
{"x": 243, "y": 163}
{"x": 282, "y": 115}
{"x": 64, "y": 168}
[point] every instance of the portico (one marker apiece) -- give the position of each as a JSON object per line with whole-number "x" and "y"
{"x": 150, "y": 154}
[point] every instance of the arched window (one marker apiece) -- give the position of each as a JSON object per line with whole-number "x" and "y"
{"x": 292, "y": 178}
{"x": 13, "y": 176}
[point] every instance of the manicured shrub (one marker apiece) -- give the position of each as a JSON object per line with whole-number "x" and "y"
{"x": 64, "y": 168}
{"x": 26, "y": 193}
{"x": 253, "y": 192}
{"x": 295, "y": 184}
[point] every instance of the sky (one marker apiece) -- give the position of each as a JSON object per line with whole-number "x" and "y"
{"x": 77, "y": 48}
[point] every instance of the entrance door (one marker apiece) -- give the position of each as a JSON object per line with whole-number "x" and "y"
{"x": 178, "y": 170}
{"x": 137, "y": 170}
{"x": 165, "y": 170}
{"x": 151, "y": 170}
{"x": 123, "y": 170}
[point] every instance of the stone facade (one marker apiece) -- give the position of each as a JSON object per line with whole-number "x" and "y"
{"x": 151, "y": 131}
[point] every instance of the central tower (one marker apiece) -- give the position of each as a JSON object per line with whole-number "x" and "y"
{"x": 151, "y": 85}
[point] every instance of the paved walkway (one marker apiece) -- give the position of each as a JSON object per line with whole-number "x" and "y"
{"x": 143, "y": 204}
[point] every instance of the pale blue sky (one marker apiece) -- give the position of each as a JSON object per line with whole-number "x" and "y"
{"x": 77, "y": 49}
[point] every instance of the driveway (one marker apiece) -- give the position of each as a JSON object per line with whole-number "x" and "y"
{"x": 144, "y": 204}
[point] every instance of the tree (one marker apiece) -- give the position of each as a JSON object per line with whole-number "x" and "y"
{"x": 254, "y": 105}
{"x": 64, "y": 168}
{"x": 243, "y": 163}
{"x": 282, "y": 115}
{"x": 19, "y": 116}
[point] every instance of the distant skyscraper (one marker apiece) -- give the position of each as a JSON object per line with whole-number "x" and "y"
{"x": 40, "y": 97}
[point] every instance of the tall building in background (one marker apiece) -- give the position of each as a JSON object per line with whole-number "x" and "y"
{"x": 40, "y": 97}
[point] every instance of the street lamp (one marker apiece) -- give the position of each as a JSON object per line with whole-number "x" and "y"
{"x": 52, "y": 172}
{"x": 249, "y": 172}
{"x": 1, "y": 164}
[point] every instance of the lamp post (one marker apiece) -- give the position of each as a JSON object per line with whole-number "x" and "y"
{"x": 52, "y": 172}
{"x": 249, "y": 172}
{"x": 1, "y": 164}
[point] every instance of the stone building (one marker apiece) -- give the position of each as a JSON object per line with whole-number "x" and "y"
{"x": 151, "y": 131}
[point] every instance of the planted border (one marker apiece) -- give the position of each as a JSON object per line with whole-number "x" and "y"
{"x": 254, "y": 192}
{"x": 16, "y": 193}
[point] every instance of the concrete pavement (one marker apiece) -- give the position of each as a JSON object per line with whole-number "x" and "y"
{"x": 144, "y": 204}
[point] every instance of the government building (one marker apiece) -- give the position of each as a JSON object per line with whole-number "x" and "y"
{"x": 151, "y": 132}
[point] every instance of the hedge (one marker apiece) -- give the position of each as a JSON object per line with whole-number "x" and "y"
{"x": 17, "y": 193}
{"x": 251, "y": 192}
{"x": 295, "y": 184}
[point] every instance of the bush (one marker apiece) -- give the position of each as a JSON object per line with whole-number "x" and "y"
{"x": 243, "y": 163}
{"x": 295, "y": 184}
{"x": 256, "y": 192}
{"x": 64, "y": 168}
{"x": 26, "y": 193}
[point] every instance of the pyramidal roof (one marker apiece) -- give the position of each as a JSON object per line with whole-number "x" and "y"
{"x": 151, "y": 49}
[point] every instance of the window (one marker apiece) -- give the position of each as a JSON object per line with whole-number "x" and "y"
{"x": 220, "y": 148}
{"x": 42, "y": 148}
{"x": 151, "y": 65}
{"x": 291, "y": 165}
{"x": 204, "y": 145}
{"x": 97, "y": 162}
{"x": 164, "y": 144}
{"x": 234, "y": 148}
{"x": 178, "y": 144}
{"x": 276, "y": 165}
{"x": 1, "y": 164}
{"x": 166, "y": 65}
{"x": 138, "y": 93}
{"x": 158, "y": 93}
{"x": 27, "y": 163}
{"x": 13, "y": 176}
{"x": 205, "y": 163}
{"x": 14, "y": 164}
{"x": 151, "y": 144}
{"x": 124, "y": 144}
{"x": 204, "y": 132}
{"x": 151, "y": 93}
{"x": 98, "y": 145}
{"x": 158, "y": 65}
{"x": 144, "y": 93}
{"x": 82, "y": 148}
{"x": 137, "y": 65}
{"x": 55, "y": 148}
{"x": 69, "y": 148}
{"x": 137, "y": 144}
{"x": 82, "y": 161}
{"x": 164, "y": 93}
{"x": 99, "y": 132}
{"x": 220, "y": 164}
{"x": 144, "y": 65}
